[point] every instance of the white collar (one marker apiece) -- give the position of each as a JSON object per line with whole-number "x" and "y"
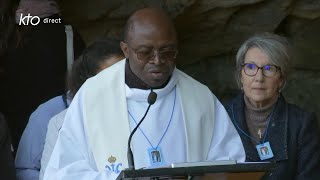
{"x": 142, "y": 95}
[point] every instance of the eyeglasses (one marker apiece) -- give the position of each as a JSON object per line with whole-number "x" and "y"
{"x": 252, "y": 69}
{"x": 148, "y": 55}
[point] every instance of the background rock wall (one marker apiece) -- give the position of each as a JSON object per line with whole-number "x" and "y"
{"x": 211, "y": 31}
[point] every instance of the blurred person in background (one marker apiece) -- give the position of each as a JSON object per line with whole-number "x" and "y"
{"x": 7, "y": 171}
{"x": 35, "y": 61}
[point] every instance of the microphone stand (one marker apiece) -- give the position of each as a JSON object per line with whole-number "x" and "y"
{"x": 151, "y": 100}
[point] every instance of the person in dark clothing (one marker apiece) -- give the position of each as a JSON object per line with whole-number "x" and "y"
{"x": 270, "y": 128}
{"x": 7, "y": 170}
{"x": 8, "y": 32}
{"x": 35, "y": 69}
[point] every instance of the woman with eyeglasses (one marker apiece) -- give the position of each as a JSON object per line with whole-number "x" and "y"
{"x": 270, "y": 128}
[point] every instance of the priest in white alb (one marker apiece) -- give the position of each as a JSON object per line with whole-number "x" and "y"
{"x": 186, "y": 123}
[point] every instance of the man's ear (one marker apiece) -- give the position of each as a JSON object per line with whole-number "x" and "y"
{"x": 125, "y": 49}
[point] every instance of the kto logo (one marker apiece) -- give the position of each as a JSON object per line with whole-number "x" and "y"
{"x": 25, "y": 20}
{"x": 35, "y": 20}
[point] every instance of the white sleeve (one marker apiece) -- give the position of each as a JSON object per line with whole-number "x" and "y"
{"x": 226, "y": 143}
{"x": 54, "y": 126}
{"x": 71, "y": 157}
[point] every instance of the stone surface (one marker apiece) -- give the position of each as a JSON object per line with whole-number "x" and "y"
{"x": 211, "y": 31}
{"x": 303, "y": 34}
{"x": 309, "y": 9}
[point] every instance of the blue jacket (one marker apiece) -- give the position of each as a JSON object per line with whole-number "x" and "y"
{"x": 29, "y": 153}
{"x": 294, "y": 137}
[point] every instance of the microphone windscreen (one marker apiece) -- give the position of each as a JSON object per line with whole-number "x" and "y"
{"x": 152, "y": 97}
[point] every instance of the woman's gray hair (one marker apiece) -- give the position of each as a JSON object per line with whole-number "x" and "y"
{"x": 276, "y": 47}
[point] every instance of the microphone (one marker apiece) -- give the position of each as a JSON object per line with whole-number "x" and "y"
{"x": 152, "y": 97}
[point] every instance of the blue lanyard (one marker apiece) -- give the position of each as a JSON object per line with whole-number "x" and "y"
{"x": 265, "y": 133}
{"x": 174, "y": 103}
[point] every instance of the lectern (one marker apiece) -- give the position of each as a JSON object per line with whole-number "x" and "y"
{"x": 237, "y": 171}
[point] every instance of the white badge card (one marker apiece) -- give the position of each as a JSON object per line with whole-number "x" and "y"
{"x": 264, "y": 151}
{"x": 156, "y": 157}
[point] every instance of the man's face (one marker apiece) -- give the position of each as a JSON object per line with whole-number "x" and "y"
{"x": 151, "y": 51}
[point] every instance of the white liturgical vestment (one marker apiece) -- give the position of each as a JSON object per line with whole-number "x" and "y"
{"x": 187, "y": 123}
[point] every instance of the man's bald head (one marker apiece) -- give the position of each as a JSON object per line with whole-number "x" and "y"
{"x": 150, "y": 18}
{"x": 150, "y": 44}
